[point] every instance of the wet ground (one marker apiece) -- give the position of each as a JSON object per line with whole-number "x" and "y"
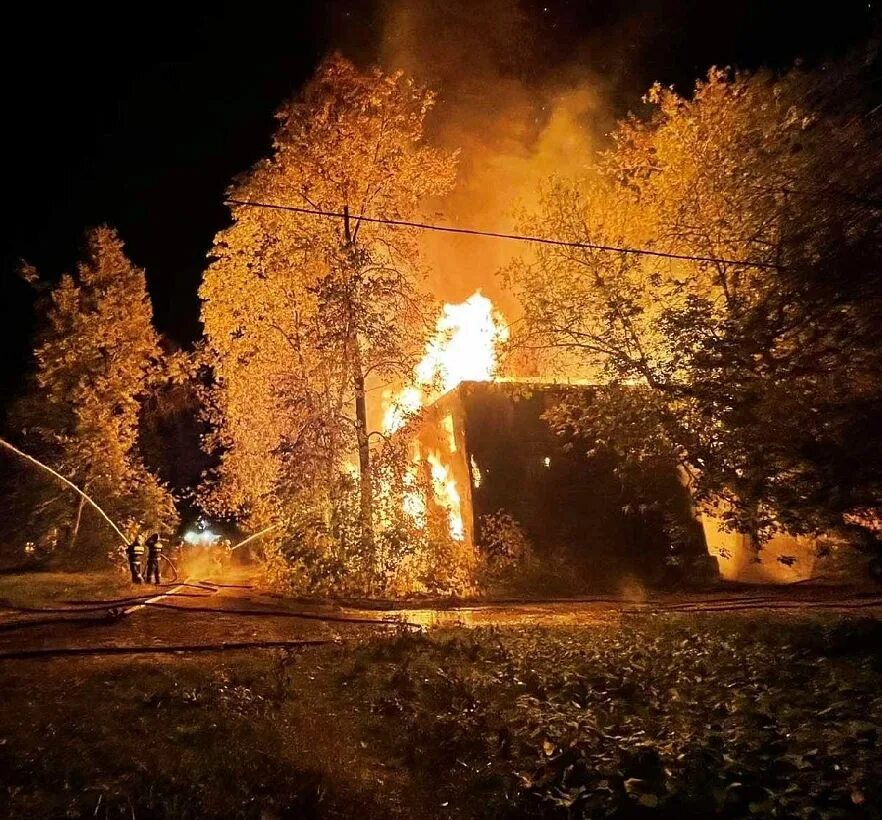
{"x": 177, "y": 616}
{"x": 205, "y": 615}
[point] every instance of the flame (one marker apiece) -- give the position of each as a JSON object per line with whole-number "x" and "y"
{"x": 447, "y": 496}
{"x": 477, "y": 478}
{"x": 463, "y": 348}
{"x": 447, "y": 424}
{"x": 414, "y": 502}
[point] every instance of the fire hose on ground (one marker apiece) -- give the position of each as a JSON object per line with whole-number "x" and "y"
{"x": 171, "y": 563}
{"x": 92, "y": 606}
{"x": 230, "y": 646}
{"x": 115, "y": 611}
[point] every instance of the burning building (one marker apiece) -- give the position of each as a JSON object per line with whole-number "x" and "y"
{"x": 491, "y": 451}
{"x": 486, "y": 449}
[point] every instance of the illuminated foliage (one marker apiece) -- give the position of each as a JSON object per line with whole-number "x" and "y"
{"x": 305, "y": 315}
{"x": 760, "y": 363}
{"x": 97, "y": 358}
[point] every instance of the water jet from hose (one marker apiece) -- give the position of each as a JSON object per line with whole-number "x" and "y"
{"x": 256, "y": 535}
{"x": 69, "y": 483}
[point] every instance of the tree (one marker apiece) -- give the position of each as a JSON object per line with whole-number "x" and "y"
{"x": 96, "y": 358}
{"x": 755, "y": 364}
{"x": 171, "y": 427}
{"x": 302, "y": 312}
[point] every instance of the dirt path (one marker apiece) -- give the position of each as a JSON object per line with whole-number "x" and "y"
{"x": 198, "y": 614}
{"x": 181, "y": 616}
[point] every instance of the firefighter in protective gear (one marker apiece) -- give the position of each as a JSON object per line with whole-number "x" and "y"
{"x": 135, "y": 554}
{"x": 154, "y": 551}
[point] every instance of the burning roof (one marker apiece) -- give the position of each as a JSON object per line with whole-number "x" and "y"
{"x": 464, "y": 347}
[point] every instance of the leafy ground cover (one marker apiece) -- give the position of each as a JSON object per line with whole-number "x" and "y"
{"x": 675, "y": 716}
{"x": 678, "y": 717}
{"x": 208, "y": 737}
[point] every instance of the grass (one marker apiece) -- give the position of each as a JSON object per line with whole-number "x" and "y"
{"x": 662, "y": 717}
{"x": 45, "y": 588}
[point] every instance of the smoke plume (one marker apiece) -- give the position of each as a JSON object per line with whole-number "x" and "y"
{"x": 516, "y": 114}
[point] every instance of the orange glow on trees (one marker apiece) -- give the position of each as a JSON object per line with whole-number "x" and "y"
{"x": 744, "y": 370}
{"x": 303, "y": 314}
{"x": 98, "y": 357}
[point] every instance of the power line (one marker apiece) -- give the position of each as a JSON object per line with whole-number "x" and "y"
{"x": 540, "y": 240}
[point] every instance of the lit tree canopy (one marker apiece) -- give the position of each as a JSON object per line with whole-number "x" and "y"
{"x": 97, "y": 358}
{"x": 301, "y": 311}
{"x": 758, "y": 366}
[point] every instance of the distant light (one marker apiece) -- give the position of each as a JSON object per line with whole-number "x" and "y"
{"x": 547, "y": 462}
{"x": 200, "y": 538}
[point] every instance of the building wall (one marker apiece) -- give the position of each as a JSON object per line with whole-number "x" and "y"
{"x": 573, "y": 509}
{"x": 500, "y": 454}
{"x": 784, "y": 559}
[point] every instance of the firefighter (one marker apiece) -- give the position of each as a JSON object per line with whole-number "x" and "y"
{"x": 135, "y": 554}
{"x": 226, "y": 553}
{"x": 154, "y": 551}
{"x": 179, "y": 552}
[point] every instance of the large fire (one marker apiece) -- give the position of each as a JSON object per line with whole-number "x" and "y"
{"x": 463, "y": 348}
{"x": 447, "y": 495}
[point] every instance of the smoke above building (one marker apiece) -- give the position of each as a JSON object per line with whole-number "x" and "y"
{"x": 517, "y": 115}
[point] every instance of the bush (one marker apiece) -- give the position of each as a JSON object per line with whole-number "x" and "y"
{"x": 504, "y": 551}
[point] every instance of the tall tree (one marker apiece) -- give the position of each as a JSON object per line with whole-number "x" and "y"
{"x": 97, "y": 358}
{"x": 759, "y": 360}
{"x": 302, "y": 312}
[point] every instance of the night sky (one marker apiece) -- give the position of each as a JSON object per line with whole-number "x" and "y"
{"x": 141, "y": 118}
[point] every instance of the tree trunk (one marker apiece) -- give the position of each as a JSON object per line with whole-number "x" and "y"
{"x": 366, "y": 498}
{"x": 76, "y": 527}
{"x": 366, "y": 505}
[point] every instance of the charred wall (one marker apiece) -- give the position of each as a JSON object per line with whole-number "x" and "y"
{"x": 573, "y": 508}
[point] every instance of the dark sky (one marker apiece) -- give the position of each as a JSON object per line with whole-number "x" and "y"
{"x": 140, "y": 119}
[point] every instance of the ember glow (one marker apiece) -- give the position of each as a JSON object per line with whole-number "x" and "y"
{"x": 464, "y": 347}
{"x": 447, "y": 495}
{"x": 476, "y": 472}
{"x": 414, "y": 503}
